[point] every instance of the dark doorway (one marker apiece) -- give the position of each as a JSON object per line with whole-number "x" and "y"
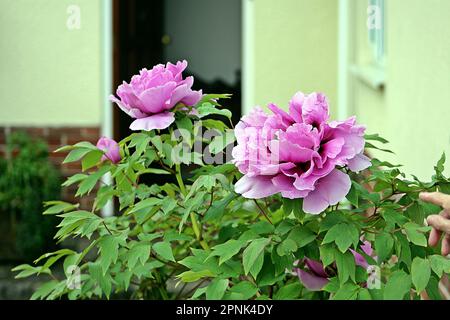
{"x": 207, "y": 33}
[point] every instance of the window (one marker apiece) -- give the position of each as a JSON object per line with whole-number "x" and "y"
{"x": 376, "y": 29}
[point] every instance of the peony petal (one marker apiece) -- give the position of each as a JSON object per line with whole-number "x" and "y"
{"x": 286, "y": 185}
{"x": 359, "y": 259}
{"x": 155, "y": 100}
{"x": 132, "y": 112}
{"x": 310, "y": 281}
{"x": 328, "y": 191}
{"x": 285, "y": 117}
{"x": 192, "y": 98}
{"x": 177, "y": 69}
{"x": 295, "y": 107}
{"x": 255, "y": 187}
{"x": 316, "y": 267}
{"x": 332, "y": 148}
{"x": 156, "y": 121}
{"x": 359, "y": 163}
{"x": 110, "y": 148}
{"x": 315, "y": 109}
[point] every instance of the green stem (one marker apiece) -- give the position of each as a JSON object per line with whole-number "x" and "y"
{"x": 180, "y": 179}
{"x": 195, "y": 225}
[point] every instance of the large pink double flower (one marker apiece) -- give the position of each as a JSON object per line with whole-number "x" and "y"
{"x": 150, "y": 95}
{"x": 298, "y": 154}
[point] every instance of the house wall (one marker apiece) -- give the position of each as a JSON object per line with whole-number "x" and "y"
{"x": 413, "y": 112}
{"x": 295, "y": 49}
{"x": 50, "y": 75}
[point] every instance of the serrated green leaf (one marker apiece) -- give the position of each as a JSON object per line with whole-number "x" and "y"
{"x": 164, "y": 250}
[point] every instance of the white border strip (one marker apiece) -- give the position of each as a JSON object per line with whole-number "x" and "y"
{"x": 106, "y": 87}
{"x": 343, "y": 59}
{"x": 248, "y": 56}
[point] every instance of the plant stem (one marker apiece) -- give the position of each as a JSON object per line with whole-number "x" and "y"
{"x": 262, "y": 211}
{"x": 180, "y": 179}
{"x": 195, "y": 225}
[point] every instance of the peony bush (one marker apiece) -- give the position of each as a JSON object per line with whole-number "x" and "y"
{"x": 286, "y": 205}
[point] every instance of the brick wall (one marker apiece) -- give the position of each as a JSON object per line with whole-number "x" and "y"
{"x": 55, "y": 138}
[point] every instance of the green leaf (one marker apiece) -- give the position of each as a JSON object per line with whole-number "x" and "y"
{"x": 244, "y": 290}
{"x": 145, "y": 204}
{"x": 227, "y": 250}
{"x": 327, "y": 254}
{"x": 420, "y": 273}
{"x": 414, "y": 235}
{"x": 301, "y": 236}
{"x": 348, "y": 291}
{"x": 44, "y": 290}
{"x": 375, "y": 137}
{"x": 109, "y": 251}
{"x": 217, "y": 209}
{"x": 59, "y": 206}
{"x": 219, "y": 142}
{"x": 253, "y": 256}
{"x": 207, "y": 109}
{"x": 383, "y": 245}
{"x": 139, "y": 252}
{"x": 91, "y": 159}
{"x": 345, "y": 263}
{"x": 439, "y": 168}
{"x": 140, "y": 141}
{"x": 164, "y": 250}
{"x": 89, "y": 183}
{"x": 288, "y": 292}
{"x": 371, "y": 146}
{"x": 192, "y": 276}
{"x": 393, "y": 216}
{"x": 76, "y": 154}
{"x": 216, "y": 289}
{"x": 104, "y": 280}
{"x": 405, "y": 249}
{"x": 74, "y": 179}
{"x": 398, "y": 285}
{"x": 206, "y": 181}
{"x": 440, "y": 265}
{"x": 168, "y": 205}
{"x": 352, "y": 196}
{"x": 286, "y": 247}
{"x": 416, "y": 213}
{"x": 344, "y": 235}
{"x": 364, "y": 294}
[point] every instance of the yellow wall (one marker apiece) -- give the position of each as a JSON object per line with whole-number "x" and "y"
{"x": 414, "y": 110}
{"x": 49, "y": 75}
{"x": 295, "y": 49}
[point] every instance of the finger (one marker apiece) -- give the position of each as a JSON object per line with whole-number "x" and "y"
{"x": 436, "y": 198}
{"x": 445, "y": 248}
{"x": 439, "y": 222}
{"x": 435, "y": 236}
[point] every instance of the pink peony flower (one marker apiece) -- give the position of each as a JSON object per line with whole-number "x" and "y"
{"x": 151, "y": 95}
{"x": 298, "y": 154}
{"x": 110, "y": 148}
{"x": 313, "y": 275}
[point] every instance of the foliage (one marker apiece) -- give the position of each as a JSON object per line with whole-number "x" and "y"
{"x": 27, "y": 178}
{"x": 218, "y": 245}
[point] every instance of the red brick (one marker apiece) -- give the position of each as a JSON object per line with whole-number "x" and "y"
{"x": 32, "y": 131}
{"x": 92, "y": 132}
{"x": 71, "y": 140}
{"x": 2, "y": 135}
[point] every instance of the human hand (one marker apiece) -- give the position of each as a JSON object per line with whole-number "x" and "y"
{"x": 440, "y": 223}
